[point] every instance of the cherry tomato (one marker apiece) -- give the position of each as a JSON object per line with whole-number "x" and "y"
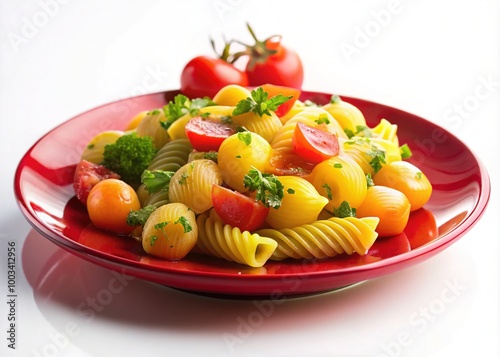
{"x": 284, "y": 162}
{"x": 87, "y": 175}
{"x": 313, "y": 144}
{"x": 238, "y": 210}
{"x": 273, "y": 90}
{"x": 206, "y": 134}
{"x": 205, "y": 76}
{"x": 421, "y": 228}
{"x": 109, "y": 203}
{"x": 271, "y": 62}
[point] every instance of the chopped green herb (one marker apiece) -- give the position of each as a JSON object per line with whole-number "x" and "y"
{"x": 378, "y": 158}
{"x": 156, "y": 180}
{"x": 268, "y": 188}
{"x": 328, "y": 190}
{"x": 152, "y": 240}
{"x": 226, "y": 119}
{"x": 182, "y": 105}
{"x": 344, "y": 210}
{"x": 361, "y": 130}
{"x": 238, "y": 156}
{"x": 245, "y": 137}
{"x": 335, "y": 99}
{"x": 183, "y": 179}
{"x": 418, "y": 175}
{"x": 322, "y": 119}
{"x": 309, "y": 103}
{"x": 185, "y": 223}
{"x": 90, "y": 146}
{"x": 139, "y": 217}
{"x": 405, "y": 151}
{"x": 161, "y": 225}
{"x": 211, "y": 155}
{"x": 369, "y": 180}
{"x": 259, "y": 103}
{"x": 337, "y": 165}
{"x": 290, "y": 191}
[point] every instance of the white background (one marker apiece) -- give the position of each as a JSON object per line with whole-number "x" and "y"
{"x": 60, "y": 58}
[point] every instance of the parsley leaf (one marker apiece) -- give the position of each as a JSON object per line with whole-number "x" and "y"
{"x": 369, "y": 180}
{"x": 260, "y": 103}
{"x": 328, "y": 190}
{"x": 182, "y": 105}
{"x": 139, "y": 217}
{"x": 269, "y": 190}
{"x": 185, "y": 223}
{"x": 156, "y": 180}
{"x": 344, "y": 210}
{"x": 378, "y": 158}
{"x": 245, "y": 137}
{"x": 405, "y": 151}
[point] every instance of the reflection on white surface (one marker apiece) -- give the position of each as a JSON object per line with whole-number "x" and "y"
{"x": 92, "y": 308}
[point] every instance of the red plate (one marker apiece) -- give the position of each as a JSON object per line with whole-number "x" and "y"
{"x": 43, "y": 187}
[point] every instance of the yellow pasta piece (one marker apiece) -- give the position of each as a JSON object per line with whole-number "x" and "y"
{"x": 348, "y": 115}
{"x": 192, "y": 184}
{"x": 298, "y": 192}
{"x": 239, "y": 153}
{"x": 266, "y": 125}
{"x": 231, "y": 94}
{"x": 170, "y": 232}
{"x": 94, "y": 151}
{"x": 339, "y": 179}
{"x": 408, "y": 179}
{"x": 387, "y": 131}
{"x": 324, "y": 238}
{"x": 229, "y": 243}
{"x": 151, "y": 126}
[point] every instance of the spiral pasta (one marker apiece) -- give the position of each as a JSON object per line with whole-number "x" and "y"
{"x": 171, "y": 156}
{"x": 229, "y": 243}
{"x": 324, "y": 238}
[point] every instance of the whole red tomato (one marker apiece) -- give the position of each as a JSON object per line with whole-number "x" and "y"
{"x": 205, "y": 76}
{"x": 271, "y": 62}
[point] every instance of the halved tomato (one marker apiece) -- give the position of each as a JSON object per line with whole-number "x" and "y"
{"x": 273, "y": 90}
{"x": 87, "y": 175}
{"x": 238, "y": 210}
{"x": 206, "y": 134}
{"x": 313, "y": 144}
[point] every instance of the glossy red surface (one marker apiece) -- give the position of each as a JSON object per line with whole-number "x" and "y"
{"x": 461, "y": 190}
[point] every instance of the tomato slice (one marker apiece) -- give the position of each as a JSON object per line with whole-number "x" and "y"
{"x": 285, "y": 163}
{"x": 238, "y": 210}
{"x": 273, "y": 90}
{"x": 206, "y": 134}
{"x": 87, "y": 175}
{"x": 313, "y": 144}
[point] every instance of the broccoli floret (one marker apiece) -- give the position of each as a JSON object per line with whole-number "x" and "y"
{"x": 129, "y": 156}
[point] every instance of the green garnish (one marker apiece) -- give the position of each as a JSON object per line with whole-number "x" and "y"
{"x": 322, "y": 119}
{"x": 156, "y": 180}
{"x": 418, "y": 175}
{"x": 378, "y": 158}
{"x": 211, "y": 155}
{"x": 185, "y": 223}
{"x": 405, "y": 151}
{"x": 335, "y": 99}
{"x": 246, "y": 137}
{"x": 328, "y": 191}
{"x": 337, "y": 165}
{"x": 290, "y": 191}
{"x": 129, "y": 156}
{"x": 139, "y": 217}
{"x": 259, "y": 103}
{"x": 182, "y": 105}
{"x": 269, "y": 190}
{"x": 361, "y": 130}
{"x": 344, "y": 210}
{"x": 369, "y": 180}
